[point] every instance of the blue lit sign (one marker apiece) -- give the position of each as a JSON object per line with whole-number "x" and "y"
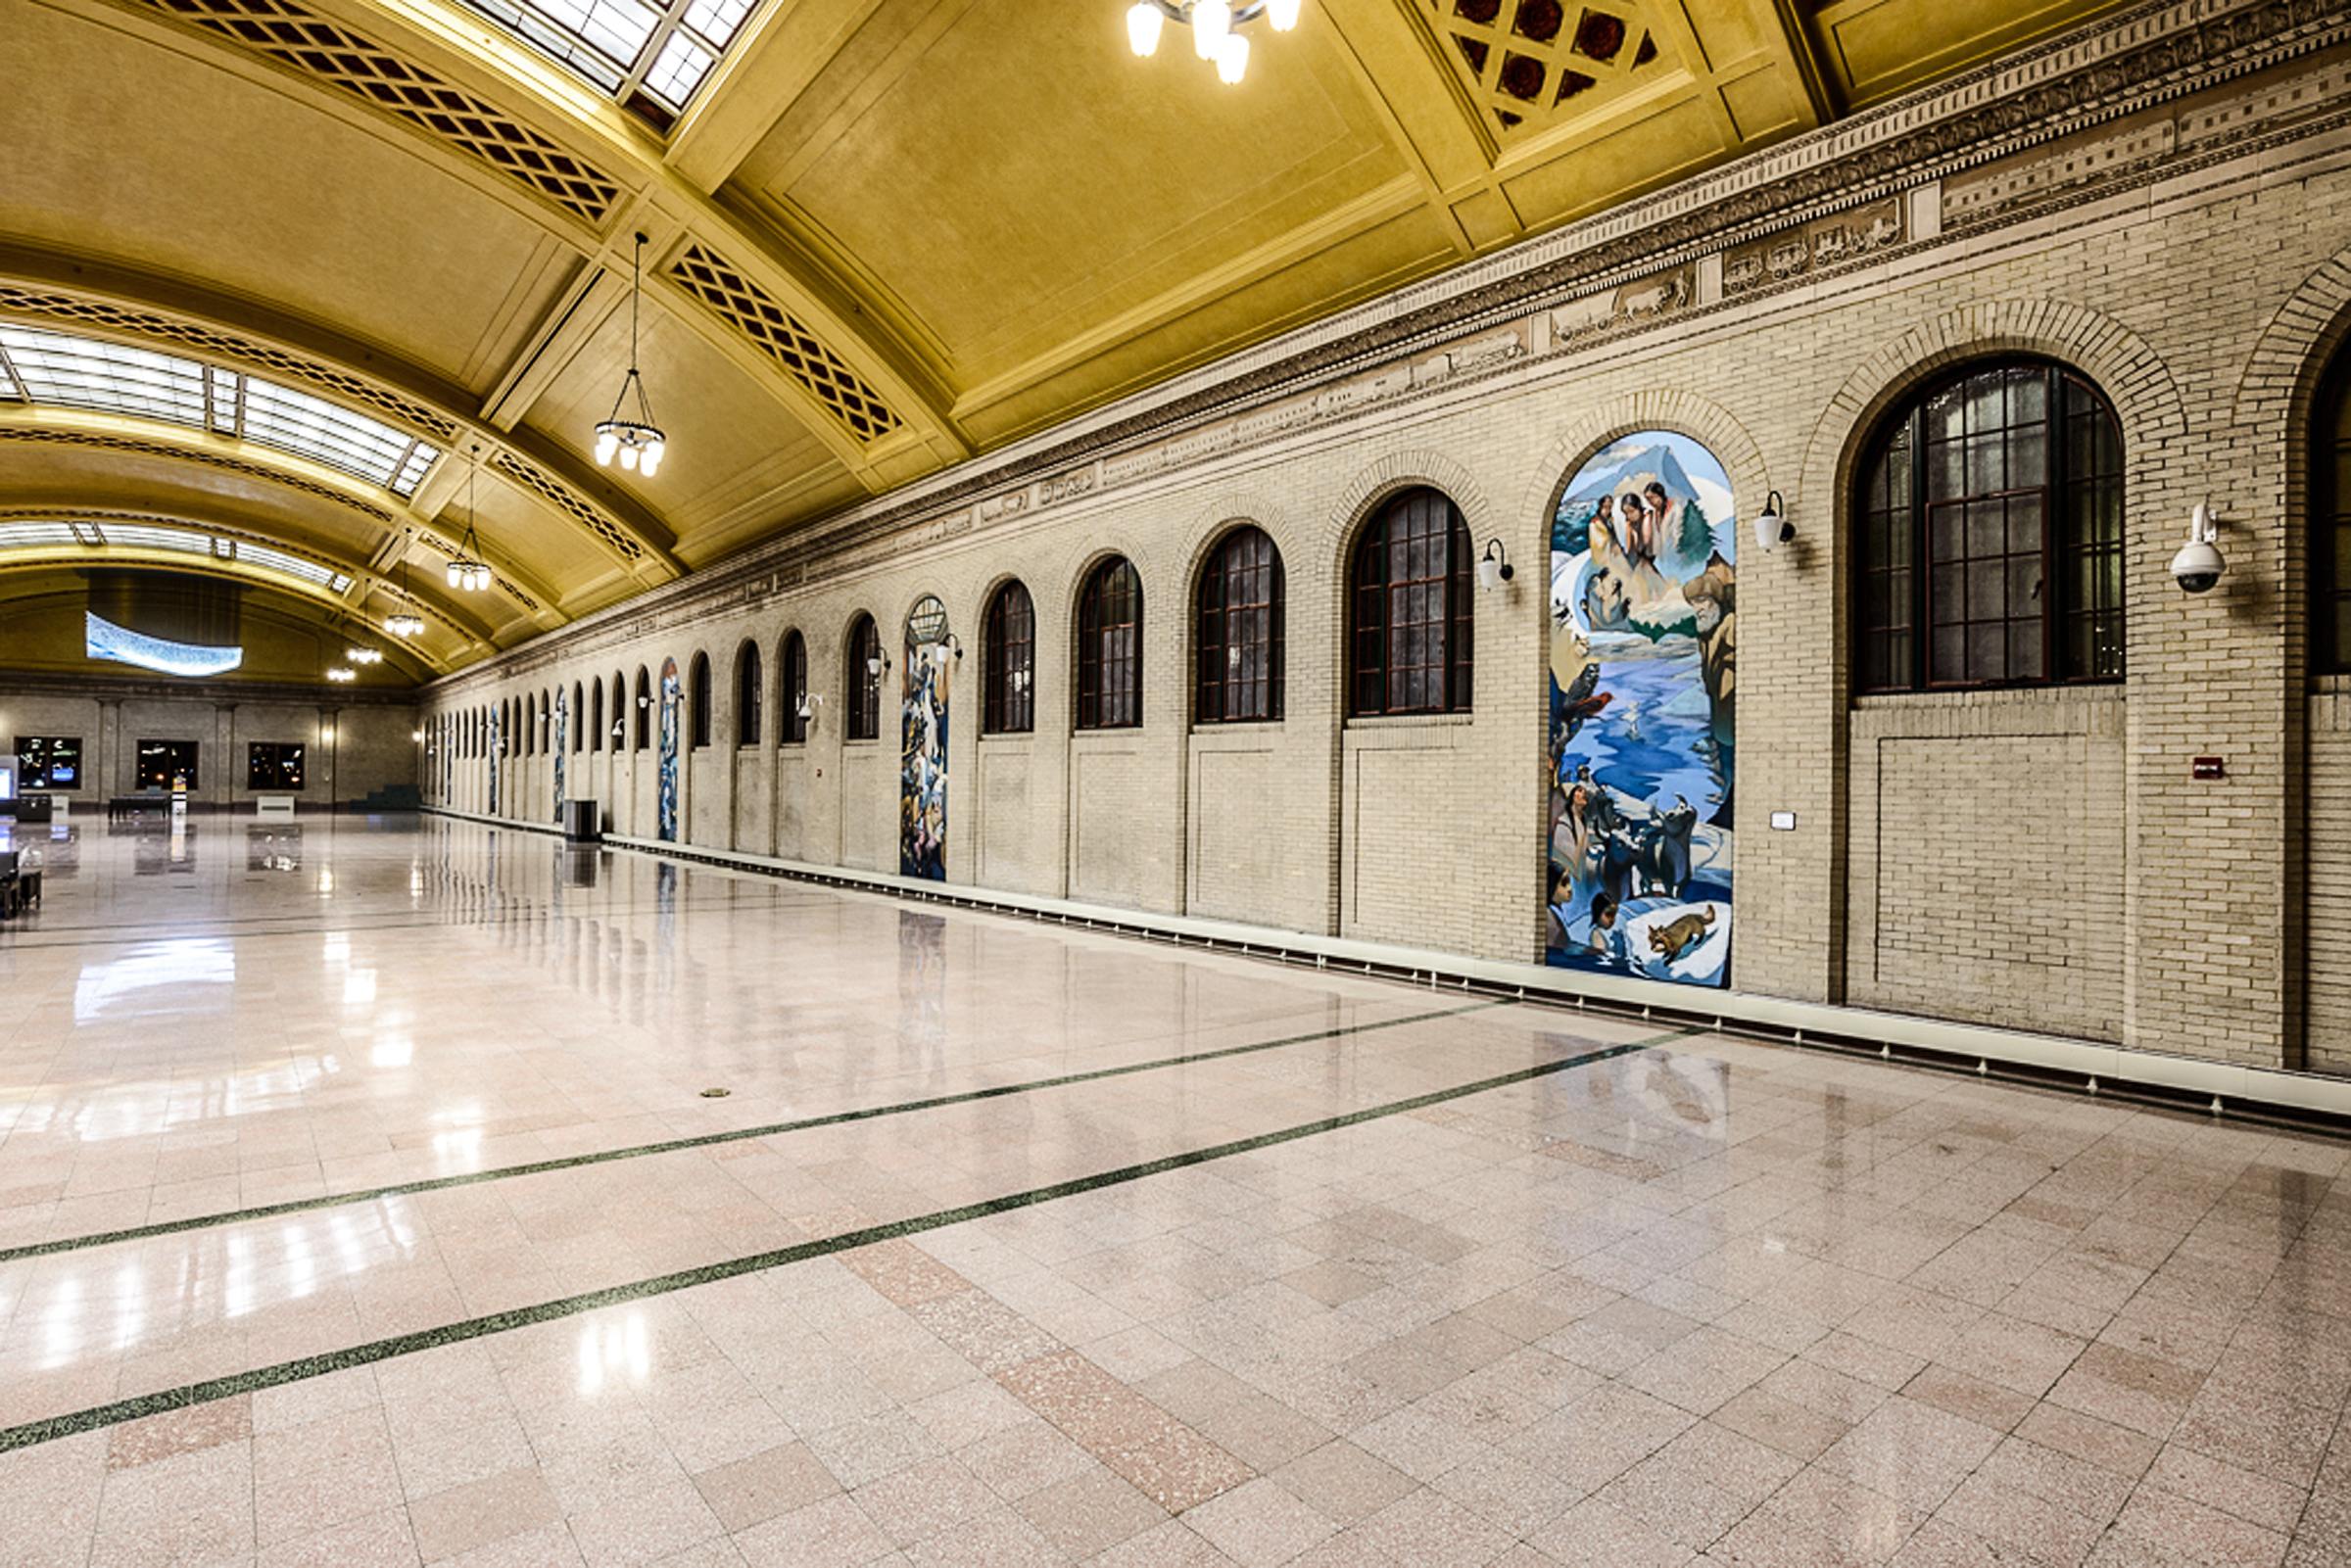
{"x": 107, "y": 640}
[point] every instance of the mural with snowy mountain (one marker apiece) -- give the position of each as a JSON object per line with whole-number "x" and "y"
{"x": 1643, "y": 675}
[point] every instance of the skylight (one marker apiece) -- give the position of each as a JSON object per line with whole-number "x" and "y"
{"x": 61, "y": 370}
{"x": 98, "y": 532}
{"x": 650, "y": 54}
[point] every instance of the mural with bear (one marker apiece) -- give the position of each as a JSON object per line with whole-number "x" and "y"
{"x": 1643, "y": 682}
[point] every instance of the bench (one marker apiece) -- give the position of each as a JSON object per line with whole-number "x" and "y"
{"x": 273, "y": 805}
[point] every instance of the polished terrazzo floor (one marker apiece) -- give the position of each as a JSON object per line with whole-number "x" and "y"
{"x": 360, "y": 1202}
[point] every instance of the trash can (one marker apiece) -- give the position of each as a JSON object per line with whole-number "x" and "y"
{"x": 580, "y": 822}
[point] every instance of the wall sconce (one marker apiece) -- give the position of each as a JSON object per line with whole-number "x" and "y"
{"x": 953, "y": 645}
{"x": 1493, "y": 567}
{"x": 416, "y": 734}
{"x": 876, "y": 667}
{"x": 2198, "y": 566}
{"x": 1772, "y": 527}
{"x": 620, "y": 730}
{"x": 644, "y": 701}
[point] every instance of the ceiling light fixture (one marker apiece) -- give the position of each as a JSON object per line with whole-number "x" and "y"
{"x": 364, "y": 655}
{"x": 405, "y": 623}
{"x": 338, "y": 673}
{"x": 466, "y": 568}
{"x": 1215, "y": 25}
{"x": 638, "y": 441}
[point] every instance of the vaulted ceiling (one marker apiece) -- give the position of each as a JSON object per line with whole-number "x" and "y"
{"x": 883, "y": 236}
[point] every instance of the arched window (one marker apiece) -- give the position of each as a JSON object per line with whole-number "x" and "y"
{"x": 1409, "y": 639}
{"x": 2330, "y": 499}
{"x": 747, "y": 695}
{"x": 1240, "y": 630}
{"x": 794, "y": 688}
{"x": 1991, "y": 523}
{"x": 1110, "y": 647}
{"x": 595, "y": 719}
{"x": 1010, "y": 635}
{"x": 644, "y": 709}
{"x": 620, "y": 711}
{"x": 861, "y": 680}
{"x": 579, "y": 717}
{"x": 698, "y": 698}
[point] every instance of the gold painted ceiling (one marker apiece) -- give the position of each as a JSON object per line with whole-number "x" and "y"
{"x": 885, "y": 235}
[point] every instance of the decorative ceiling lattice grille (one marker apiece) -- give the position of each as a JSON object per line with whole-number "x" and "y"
{"x": 292, "y": 35}
{"x": 778, "y": 334}
{"x": 1529, "y": 63}
{"x": 552, "y": 490}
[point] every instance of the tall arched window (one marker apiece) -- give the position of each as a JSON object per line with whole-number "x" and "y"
{"x": 1110, "y": 647}
{"x": 1010, "y": 638}
{"x": 2330, "y": 501}
{"x": 595, "y": 720}
{"x": 1991, "y": 523}
{"x": 861, "y": 680}
{"x": 747, "y": 695}
{"x": 1240, "y": 630}
{"x": 644, "y": 709}
{"x": 698, "y": 698}
{"x": 579, "y": 717}
{"x": 1410, "y": 636}
{"x": 793, "y": 687}
{"x": 620, "y": 711}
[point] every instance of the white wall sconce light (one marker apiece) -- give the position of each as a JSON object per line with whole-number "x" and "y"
{"x": 876, "y": 667}
{"x": 1772, "y": 527}
{"x": 1494, "y": 567}
{"x": 2198, "y": 566}
{"x": 953, "y": 645}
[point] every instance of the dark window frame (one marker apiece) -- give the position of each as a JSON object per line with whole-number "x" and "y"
{"x": 265, "y": 764}
{"x": 697, "y": 700}
{"x": 791, "y": 664}
{"x": 1110, "y": 647}
{"x": 163, "y": 781}
{"x": 1441, "y": 647}
{"x": 644, "y": 709}
{"x": 1241, "y": 651}
{"x": 2331, "y": 518}
{"x": 1937, "y": 480}
{"x": 863, "y": 696}
{"x": 1009, "y": 658}
{"x": 749, "y": 694}
{"x": 579, "y": 718}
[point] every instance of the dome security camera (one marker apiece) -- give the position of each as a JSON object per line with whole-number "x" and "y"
{"x": 2198, "y": 566}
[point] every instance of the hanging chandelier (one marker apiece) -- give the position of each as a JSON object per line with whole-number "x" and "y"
{"x": 638, "y": 441}
{"x": 404, "y": 623}
{"x": 466, "y": 568}
{"x": 1213, "y": 24}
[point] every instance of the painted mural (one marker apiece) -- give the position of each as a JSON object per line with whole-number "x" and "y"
{"x": 563, "y": 713}
{"x": 668, "y": 810}
{"x": 923, "y": 750}
{"x": 1643, "y": 679}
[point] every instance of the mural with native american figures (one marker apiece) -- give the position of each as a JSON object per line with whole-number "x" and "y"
{"x": 563, "y": 713}
{"x": 667, "y": 829}
{"x": 923, "y": 747}
{"x": 1642, "y": 678}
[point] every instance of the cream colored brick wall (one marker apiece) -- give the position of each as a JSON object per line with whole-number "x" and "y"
{"x": 2044, "y": 861}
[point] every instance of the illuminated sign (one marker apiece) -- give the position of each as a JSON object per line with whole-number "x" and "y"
{"x": 107, "y": 640}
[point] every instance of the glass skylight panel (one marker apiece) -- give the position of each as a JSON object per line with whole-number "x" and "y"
{"x": 24, "y": 536}
{"x": 314, "y": 428}
{"x": 413, "y": 470}
{"x": 105, "y": 377}
{"x": 139, "y": 535}
{"x": 649, "y": 54}
{"x": 222, "y": 386}
{"x": 292, "y": 565}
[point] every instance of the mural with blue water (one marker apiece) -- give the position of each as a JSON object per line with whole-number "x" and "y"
{"x": 1643, "y": 682}
{"x": 666, "y": 804}
{"x": 562, "y": 711}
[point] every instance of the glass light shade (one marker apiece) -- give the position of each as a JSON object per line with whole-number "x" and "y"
{"x": 403, "y": 625}
{"x": 628, "y": 457}
{"x": 1489, "y": 573}
{"x": 606, "y": 443}
{"x": 649, "y": 460}
{"x": 1283, "y": 13}
{"x": 1232, "y": 57}
{"x": 1142, "y": 28}
{"x": 1212, "y": 23}
{"x": 457, "y": 575}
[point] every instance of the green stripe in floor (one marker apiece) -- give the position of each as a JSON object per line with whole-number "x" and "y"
{"x": 51, "y": 1428}
{"x": 402, "y": 1189}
